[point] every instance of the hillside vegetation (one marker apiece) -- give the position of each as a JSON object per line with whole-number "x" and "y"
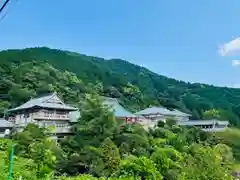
{"x": 35, "y": 71}
{"x": 99, "y": 148}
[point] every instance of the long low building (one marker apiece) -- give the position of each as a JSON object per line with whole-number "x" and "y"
{"x": 150, "y": 116}
{"x": 206, "y": 125}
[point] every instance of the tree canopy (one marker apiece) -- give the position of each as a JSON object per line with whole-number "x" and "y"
{"x": 101, "y": 148}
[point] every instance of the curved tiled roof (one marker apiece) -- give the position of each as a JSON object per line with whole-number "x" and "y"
{"x": 155, "y": 110}
{"x": 119, "y": 111}
{"x": 44, "y": 103}
{"x": 161, "y": 110}
{"x": 179, "y": 113}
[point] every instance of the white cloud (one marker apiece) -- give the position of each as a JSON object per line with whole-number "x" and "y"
{"x": 235, "y": 62}
{"x": 230, "y": 48}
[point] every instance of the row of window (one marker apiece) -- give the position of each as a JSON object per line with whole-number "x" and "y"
{"x": 54, "y": 112}
{"x": 211, "y": 126}
{"x": 56, "y": 125}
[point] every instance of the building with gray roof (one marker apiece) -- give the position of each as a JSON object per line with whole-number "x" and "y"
{"x": 154, "y": 114}
{"x": 119, "y": 111}
{"x": 161, "y": 113}
{"x": 50, "y": 101}
{"x": 45, "y": 111}
{"x": 4, "y": 125}
{"x": 212, "y": 125}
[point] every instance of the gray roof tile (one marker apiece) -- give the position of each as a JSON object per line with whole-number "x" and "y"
{"x": 161, "y": 110}
{"x": 5, "y": 123}
{"x": 119, "y": 110}
{"x": 44, "y": 103}
{"x": 179, "y": 113}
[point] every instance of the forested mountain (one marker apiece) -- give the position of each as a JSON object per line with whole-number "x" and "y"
{"x": 35, "y": 71}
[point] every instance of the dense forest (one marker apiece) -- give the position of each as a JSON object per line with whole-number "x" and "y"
{"x": 35, "y": 71}
{"x": 101, "y": 148}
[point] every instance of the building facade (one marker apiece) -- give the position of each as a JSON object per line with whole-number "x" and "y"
{"x": 154, "y": 114}
{"x": 212, "y": 125}
{"x": 150, "y": 116}
{"x": 46, "y": 111}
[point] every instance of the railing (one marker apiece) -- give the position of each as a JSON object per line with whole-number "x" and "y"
{"x": 57, "y": 128}
{"x": 42, "y": 115}
{"x": 66, "y": 129}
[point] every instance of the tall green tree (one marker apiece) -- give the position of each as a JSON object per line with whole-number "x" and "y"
{"x": 97, "y": 122}
{"x": 111, "y": 157}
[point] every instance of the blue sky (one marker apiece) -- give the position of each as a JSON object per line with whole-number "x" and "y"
{"x": 179, "y": 39}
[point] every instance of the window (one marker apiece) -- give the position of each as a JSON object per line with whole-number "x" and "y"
{"x": 48, "y": 113}
{"x": 11, "y": 118}
{"x": 61, "y": 125}
{"x": 26, "y": 115}
{"x": 61, "y": 112}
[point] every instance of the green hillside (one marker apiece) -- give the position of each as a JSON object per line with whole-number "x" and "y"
{"x": 35, "y": 71}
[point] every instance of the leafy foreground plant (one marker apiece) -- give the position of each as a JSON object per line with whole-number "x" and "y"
{"x": 21, "y": 167}
{"x": 89, "y": 177}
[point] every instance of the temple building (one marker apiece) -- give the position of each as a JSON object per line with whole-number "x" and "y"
{"x": 152, "y": 115}
{"x": 206, "y": 125}
{"x": 44, "y": 111}
{"x": 119, "y": 111}
{"x": 161, "y": 114}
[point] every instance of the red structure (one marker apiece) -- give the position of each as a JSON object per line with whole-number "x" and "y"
{"x": 131, "y": 120}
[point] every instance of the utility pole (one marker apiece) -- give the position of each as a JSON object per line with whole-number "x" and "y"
{"x": 11, "y": 163}
{"x": 6, "y": 134}
{"x": 4, "y": 5}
